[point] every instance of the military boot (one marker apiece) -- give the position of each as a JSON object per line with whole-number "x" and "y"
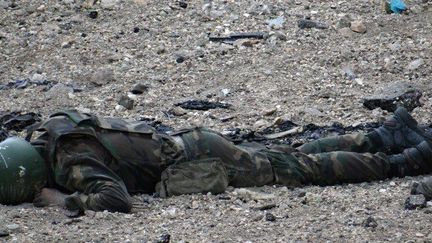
{"x": 398, "y": 132}
{"x": 412, "y": 161}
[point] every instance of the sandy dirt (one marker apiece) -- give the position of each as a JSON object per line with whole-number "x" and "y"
{"x": 92, "y": 53}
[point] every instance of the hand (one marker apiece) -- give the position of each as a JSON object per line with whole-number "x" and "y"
{"x": 49, "y": 197}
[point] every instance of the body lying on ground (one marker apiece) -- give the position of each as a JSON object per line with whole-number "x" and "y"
{"x": 84, "y": 162}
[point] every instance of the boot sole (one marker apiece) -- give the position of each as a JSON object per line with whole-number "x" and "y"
{"x": 402, "y": 113}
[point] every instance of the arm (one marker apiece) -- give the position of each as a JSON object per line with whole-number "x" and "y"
{"x": 96, "y": 187}
{"x": 81, "y": 167}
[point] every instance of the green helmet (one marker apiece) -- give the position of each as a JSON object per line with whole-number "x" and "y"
{"x": 22, "y": 171}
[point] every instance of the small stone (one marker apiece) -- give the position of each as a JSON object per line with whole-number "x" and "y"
{"x": 278, "y": 120}
{"x": 93, "y": 14}
{"x": 126, "y": 102}
{"x": 90, "y": 213}
{"x": 41, "y": 8}
{"x": 120, "y": 108}
{"x": 415, "y": 64}
{"x": 160, "y": 50}
{"x": 13, "y": 228}
{"x": 415, "y": 202}
{"x": 183, "y": 4}
{"x": 349, "y": 72}
{"x": 370, "y": 222}
{"x": 246, "y": 42}
{"x": 358, "y": 26}
{"x": 178, "y": 111}
{"x": 139, "y": 88}
{"x": 249, "y": 194}
{"x": 276, "y": 23}
{"x": 270, "y": 217}
{"x": 260, "y": 124}
{"x": 266, "y": 207}
{"x": 37, "y": 77}
{"x": 101, "y": 215}
{"x": 308, "y": 24}
{"x": 195, "y": 205}
{"x": 102, "y": 76}
{"x": 270, "y": 112}
{"x": 392, "y": 183}
{"x": 225, "y": 92}
{"x": 164, "y": 238}
{"x": 226, "y": 118}
{"x": 257, "y": 218}
{"x": 301, "y": 193}
{"x": 279, "y": 35}
{"x": 180, "y": 59}
{"x": 66, "y": 44}
{"x": 4, "y": 233}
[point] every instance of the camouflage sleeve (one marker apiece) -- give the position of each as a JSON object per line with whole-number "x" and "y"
{"x": 97, "y": 188}
{"x": 81, "y": 169}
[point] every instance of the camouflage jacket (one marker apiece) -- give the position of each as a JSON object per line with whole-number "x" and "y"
{"x": 102, "y": 160}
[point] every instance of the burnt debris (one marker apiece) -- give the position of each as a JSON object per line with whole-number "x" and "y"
{"x": 202, "y": 105}
{"x": 230, "y": 39}
{"x": 17, "y": 121}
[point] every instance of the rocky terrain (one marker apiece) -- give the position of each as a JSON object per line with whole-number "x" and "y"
{"x": 309, "y": 62}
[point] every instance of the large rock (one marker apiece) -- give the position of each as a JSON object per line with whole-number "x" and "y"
{"x": 389, "y": 97}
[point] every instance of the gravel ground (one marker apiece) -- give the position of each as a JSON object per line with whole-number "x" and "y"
{"x": 92, "y": 53}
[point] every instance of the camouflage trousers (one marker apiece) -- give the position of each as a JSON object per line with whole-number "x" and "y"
{"x": 341, "y": 159}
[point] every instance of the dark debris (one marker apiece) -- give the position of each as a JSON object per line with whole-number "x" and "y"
{"x": 18, "y": 121}
{"x": 202, "y": 105}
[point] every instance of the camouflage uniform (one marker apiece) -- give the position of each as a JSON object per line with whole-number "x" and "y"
{"x": 102, "y": 160}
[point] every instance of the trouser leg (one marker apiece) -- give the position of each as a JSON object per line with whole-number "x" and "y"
{"x": 245, "y": 166}
{"x": 328, "y": 168}
{"x": 356, "y": 142}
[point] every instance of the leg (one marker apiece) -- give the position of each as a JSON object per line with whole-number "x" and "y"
{"x": 246, "y": 166}
{"x": 400, "y": 131}
{"x": 328, "y": 168}
{"x": 348, "y": 167}
{"x": 357, "y": 142}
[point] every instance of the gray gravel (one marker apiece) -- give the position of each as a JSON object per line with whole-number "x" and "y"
{"x": 318, "y": 75}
